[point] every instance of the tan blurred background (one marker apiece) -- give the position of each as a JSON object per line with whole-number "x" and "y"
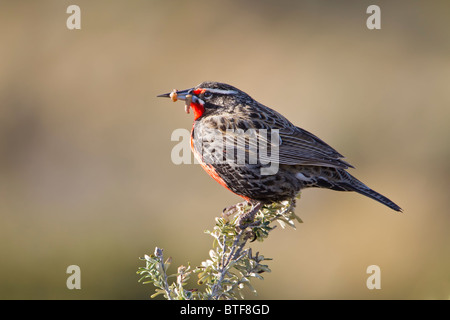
{"x": 86, "y": 176}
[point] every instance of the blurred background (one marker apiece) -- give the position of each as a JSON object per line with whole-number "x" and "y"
{"x": 86, "y": 176}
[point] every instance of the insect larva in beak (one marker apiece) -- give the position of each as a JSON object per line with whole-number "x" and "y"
{"x": 187, "y": 105}
{"x": 173, "y": 95}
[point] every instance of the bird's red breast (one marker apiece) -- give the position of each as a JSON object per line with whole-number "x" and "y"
{"x": 209, "y": 168}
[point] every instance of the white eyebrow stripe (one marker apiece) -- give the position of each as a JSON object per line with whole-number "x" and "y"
{"x": 220, "y": 91}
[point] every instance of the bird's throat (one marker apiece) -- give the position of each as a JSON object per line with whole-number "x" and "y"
{"x": 198, "y": 108}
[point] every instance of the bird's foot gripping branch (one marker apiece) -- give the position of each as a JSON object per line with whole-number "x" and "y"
{"x": 231, "y": 265}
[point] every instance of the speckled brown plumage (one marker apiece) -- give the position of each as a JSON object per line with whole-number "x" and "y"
{"x": 225, "y": 114}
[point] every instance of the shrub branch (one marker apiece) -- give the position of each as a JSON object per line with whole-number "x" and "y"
{"x": 231, "y": 265}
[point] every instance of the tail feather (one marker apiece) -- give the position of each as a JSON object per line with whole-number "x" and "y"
{"x": 378, "y": 197}
{"x": 340, "y": 180}
{"x": 353, "y": 184}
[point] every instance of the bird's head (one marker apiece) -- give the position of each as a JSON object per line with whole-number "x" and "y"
{"x": 208, "y": 98}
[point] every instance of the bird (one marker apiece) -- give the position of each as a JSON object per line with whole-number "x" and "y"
{"x": 233, "y": 135}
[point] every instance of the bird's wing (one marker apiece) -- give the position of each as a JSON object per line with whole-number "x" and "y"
{"x": 291, "y": 145}
{"x": 300, "y": 147}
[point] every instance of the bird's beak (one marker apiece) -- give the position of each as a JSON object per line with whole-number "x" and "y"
{"x": 177, "y": 95}
{"x": 185, "y": 95}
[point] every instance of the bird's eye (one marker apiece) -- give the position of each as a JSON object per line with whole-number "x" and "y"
{"x": 207, "y": 94}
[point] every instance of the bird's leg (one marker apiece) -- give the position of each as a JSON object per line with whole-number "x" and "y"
{"x": 247, "y": 218}
{"x": 231, "y": 210}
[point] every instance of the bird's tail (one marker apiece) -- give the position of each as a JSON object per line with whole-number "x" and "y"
{"x": 353, "y": 184}
{"x": 340, "y": 180}
{"x": 378, "y": 197}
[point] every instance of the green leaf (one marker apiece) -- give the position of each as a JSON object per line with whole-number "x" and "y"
{"x": 157, "y": 293}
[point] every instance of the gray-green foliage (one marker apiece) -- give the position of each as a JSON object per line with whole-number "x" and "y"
{"x": 231, "y": 265}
